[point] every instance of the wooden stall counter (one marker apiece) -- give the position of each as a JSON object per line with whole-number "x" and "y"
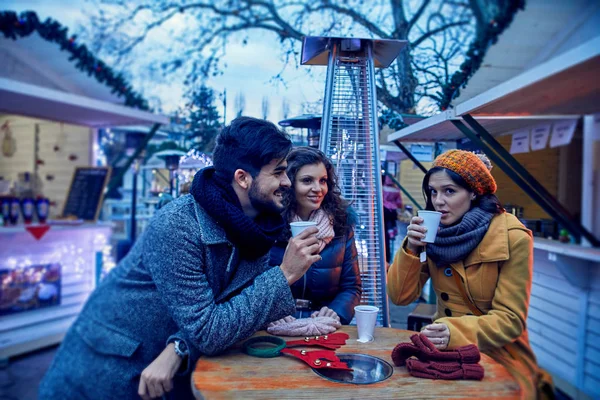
{"x": 236, "y": 375}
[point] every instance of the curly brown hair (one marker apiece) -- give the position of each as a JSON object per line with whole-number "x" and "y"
{"x": 333, "y": 203}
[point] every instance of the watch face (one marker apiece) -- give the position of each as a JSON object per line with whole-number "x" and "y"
{"x": 182, "y": 346}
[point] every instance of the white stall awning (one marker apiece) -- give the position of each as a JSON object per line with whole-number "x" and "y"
{"x": 567, "y": 84}
{"x": 39, "y": 102}
{"x": 563, "y": 88}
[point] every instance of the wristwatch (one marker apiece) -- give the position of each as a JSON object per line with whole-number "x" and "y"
{"x": 181, "y": 348}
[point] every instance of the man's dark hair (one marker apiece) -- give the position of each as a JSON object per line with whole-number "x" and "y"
{"x": 249, "y": 144}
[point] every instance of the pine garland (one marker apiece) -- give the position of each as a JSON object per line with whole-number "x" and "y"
{"x": 477, "y": 50}
{"x": 14, "y": 26}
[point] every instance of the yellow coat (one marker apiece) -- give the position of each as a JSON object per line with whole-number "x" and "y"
{"x": 497, "y": 276}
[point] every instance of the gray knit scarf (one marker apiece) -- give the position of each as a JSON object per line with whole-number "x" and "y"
{"x": 454, "y": 243}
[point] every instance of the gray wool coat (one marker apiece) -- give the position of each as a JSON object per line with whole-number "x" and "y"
{"x": 182, "y": 277}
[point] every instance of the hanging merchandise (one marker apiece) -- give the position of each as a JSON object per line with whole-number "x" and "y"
{"x": 9, "y": 144}
{"x": 61, "y": 140}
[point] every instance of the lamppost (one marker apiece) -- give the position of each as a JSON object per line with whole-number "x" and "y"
{"x": 172, "y": 164}
{"x": 133, "y": 140}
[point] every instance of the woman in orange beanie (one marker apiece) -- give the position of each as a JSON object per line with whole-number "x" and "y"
{"x": 480, "y": 265}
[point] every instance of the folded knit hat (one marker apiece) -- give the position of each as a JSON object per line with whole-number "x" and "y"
{"x": 471, "y": 168}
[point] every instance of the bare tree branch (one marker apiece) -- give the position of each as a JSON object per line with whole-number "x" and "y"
{"x": 124, "y": 27}
{"x": 418, "y": 14}
{"x": 433, "y": 32}
{"x": 358, "y": 18}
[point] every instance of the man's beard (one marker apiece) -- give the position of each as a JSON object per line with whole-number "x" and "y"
{"x": 262, "y": 203}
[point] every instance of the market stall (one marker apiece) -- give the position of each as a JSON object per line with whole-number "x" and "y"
{"x": 542, "y": 108}
{"x": 52, "y": 247}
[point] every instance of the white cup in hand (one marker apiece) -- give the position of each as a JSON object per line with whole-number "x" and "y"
{"x": 299, "y": 226}
{"x": 366, "y": 319}
{"x": 431, "y": 221}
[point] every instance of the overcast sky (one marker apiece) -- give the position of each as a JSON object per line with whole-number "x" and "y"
{"x": 250, "y": 68}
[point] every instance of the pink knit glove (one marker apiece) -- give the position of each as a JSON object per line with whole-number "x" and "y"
{"x": 306, "y": 327}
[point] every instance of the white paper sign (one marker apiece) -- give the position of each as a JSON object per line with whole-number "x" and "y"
{"x": 520, "y": 142}
{"x": 422, "y": 152}
{"x": 539, "y": 137}
{"x": 562, "y": 133}
{"x": 596, "y": 128}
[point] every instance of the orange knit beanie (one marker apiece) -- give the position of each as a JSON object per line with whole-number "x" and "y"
{"x": 470, "y": 167}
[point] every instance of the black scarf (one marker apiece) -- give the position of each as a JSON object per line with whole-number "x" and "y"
{"x": 456, "y": 242}
{"x": 253, "y": 237}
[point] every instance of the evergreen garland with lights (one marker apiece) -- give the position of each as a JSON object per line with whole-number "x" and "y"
{"x": 477, "y": 50}
{"x": 14, "y": 26}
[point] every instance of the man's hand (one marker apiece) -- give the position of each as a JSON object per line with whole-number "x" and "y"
{"x": 289, "y": 318}
{"x": 325, "y": 312}
{"x": 300, "y": 254}
{"x": 438, "y": 334}
{"x": 157, "y": 378}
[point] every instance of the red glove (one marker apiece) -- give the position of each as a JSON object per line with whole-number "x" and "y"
{"x": 468, "y": 354}
{"x": 424, "y": 350}
{"x": 444, "y": 370}
{"x": 404, "y": 351}
{"x": 332, "y": 341}
{"x": 318, "y": 359}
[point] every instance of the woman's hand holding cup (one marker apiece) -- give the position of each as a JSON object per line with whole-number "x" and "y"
{"x": 416, "y": 233}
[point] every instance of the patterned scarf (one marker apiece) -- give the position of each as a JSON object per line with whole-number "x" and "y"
{"x": 324, "y": 224}
{"x": 253, "y": 237}
{"x": 454, "y": 243}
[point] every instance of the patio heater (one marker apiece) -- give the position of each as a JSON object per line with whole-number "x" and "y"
{"x": 350, "y": 138}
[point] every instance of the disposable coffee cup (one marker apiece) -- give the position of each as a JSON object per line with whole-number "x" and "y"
{"x": 299, "y": 226}
{"x": 366, "y": 318}
{"x": 431, "y": 220}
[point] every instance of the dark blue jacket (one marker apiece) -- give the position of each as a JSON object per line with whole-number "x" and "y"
{"x": 333, "y": 282}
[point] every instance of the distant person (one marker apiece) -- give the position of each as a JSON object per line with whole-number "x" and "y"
{"x": 392, "y": 202}
{"x": 480, "y": 266}
{"x": 200, "y": 269}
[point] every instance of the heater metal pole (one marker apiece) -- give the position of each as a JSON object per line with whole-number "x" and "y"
{"x": 378, "y": 184}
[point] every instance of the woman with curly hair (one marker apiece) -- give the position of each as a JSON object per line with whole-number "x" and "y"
{"x": 332, "y": 286}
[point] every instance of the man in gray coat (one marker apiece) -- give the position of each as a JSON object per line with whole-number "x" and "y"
{"x": 196, "y": 281}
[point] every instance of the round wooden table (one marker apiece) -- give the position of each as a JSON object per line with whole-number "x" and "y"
{"x": 236, "y": 375}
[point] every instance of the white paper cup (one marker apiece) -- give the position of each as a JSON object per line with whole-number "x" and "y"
{"x": 299, "y": 226}
{"x": 366, "y": 318}
{"x": 431, "y": 220}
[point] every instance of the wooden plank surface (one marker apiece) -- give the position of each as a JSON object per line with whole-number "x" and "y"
{"x": 235, "y": 375}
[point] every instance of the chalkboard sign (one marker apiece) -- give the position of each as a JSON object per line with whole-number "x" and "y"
{"x": 86, "y": 193}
